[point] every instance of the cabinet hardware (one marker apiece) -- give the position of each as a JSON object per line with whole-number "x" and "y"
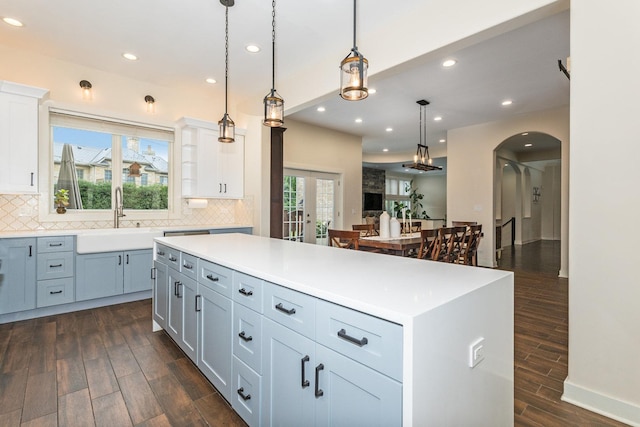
{"x": 161, "y": 253}
{"x": 244, "y": 337}
{"x": 172, "y": 258}
{"x": 220, "y": 190}
{"x": 198, "y": 308}
{"x": 127, "y": 259}
{"x": 153, "y": 273}
{"x": 30, "y": 251}
{"x": 244, "y": 292}
{"x": 53, "y": 245}
{"x": 32, "y": 179}
{"x": 188, "y": 266}
{"x": 119, "y": 259}
{"x": 319, "y": 391}
{"x": 242, "y": 395}
{"x": 55, "y": 266}
{"x": 305, "y": 383}
{"x": 359, "y": 342}
{"x": 55, "y": 292}
{"x": 213, "y": 279}
{"x": 290, "y": 311}
{"x": 225, "y": 188}
{"x": 175, "y": 288}
{"x": 179, "y": 295}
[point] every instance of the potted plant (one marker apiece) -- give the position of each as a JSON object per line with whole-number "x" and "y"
{"x": 61, "y": 198}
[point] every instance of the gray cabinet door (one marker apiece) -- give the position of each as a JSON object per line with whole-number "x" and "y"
{"x": 99, "y": 275}
{"x": 189, "y": 334}
{"x": 137, "y": 267}
{"x": 174, "y": 308}
{"x": 355, "y": 395}
{"x": 214, "y": 353}
{"x": 288, "y": 377}
{"x": 160, "y": 294}
{"x": 18, "y": 277}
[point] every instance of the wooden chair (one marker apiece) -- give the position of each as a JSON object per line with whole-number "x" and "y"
{"x": 347, "y": 239}
{"x": 468, "y": 246}
{"x": 462, "y": 223}
{"x": 366, "y": 230}
{"x": 429, "y": 241}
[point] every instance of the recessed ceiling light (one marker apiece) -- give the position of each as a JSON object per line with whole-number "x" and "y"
{"x": 130, "y": 56}
{"x": 389, "y": 129}
{"x": 13, "y": 21}
{"x": 385, "y": 149}
{"x": 525, "y": 133}
{"x": 372, "y": 90}
{"x": 528, "y": 145}
{"x": 320, "y": 109}
{"x": 358, "y": 120}
{"x": 210, "y": 80}
{"x": 507, "y": 102}
{"x": 252, "y": 48}
{"x": 437, "y": 118}
{"x": 449, "y": 63}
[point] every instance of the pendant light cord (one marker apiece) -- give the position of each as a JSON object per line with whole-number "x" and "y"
{"x": 355, "y": 48}
{"x": 226, "y": 57}
{"x": 273, "y": 47}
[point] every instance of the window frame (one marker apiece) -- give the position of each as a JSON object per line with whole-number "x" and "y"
{"x": 46, "y": 211}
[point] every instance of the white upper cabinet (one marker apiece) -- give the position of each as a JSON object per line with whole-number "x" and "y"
{"x": 210, "y": 169}
{"x": 19, "y": 137}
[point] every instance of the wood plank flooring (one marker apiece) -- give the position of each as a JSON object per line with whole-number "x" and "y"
{"x": 104, "y": 367}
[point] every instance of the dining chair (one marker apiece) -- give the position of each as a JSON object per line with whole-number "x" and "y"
{"x": 428, "y": 243}
{"x": 366, "y": 230}
{"x": 462, "y": 223}
{"x": 475, "y": 232}
{"x": 347, "y": 239}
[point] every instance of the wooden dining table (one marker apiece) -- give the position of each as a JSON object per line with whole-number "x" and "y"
{"x": 403, "y": 246}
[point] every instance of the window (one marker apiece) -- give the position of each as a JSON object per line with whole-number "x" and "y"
{"x": 397, "y": 195}
{"x": 94, "y": 147}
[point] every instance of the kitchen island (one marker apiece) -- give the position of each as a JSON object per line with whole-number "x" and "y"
{"x": 372, "y": 339}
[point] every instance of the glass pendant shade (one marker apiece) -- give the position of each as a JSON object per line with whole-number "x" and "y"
{"x": 353, "y": 78}
{"x": 227, "y": 132}
{"x": 273, "y": 110}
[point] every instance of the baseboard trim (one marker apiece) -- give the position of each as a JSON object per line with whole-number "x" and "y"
{"x": 618, "y": 410}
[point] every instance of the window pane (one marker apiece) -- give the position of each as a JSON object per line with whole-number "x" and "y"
{"x": 145, "y": 173}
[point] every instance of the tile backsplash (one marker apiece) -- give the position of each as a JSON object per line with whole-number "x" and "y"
{"x": 19, "y": 212}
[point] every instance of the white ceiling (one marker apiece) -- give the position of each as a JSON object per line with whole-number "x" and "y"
{"x": 179, "y": 44}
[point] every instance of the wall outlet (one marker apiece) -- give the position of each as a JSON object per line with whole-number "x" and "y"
{"x": 476, "y": 352}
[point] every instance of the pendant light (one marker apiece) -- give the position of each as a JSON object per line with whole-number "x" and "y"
{"x": 422, "y": 160}
{"x": 353, "y": 71}
{"x": 227, "y": 127}
{"x": 273, "y": 103}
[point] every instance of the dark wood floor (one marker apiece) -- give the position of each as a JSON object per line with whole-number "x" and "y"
{"x": 104, "y": 367}
{"x": 541, "y": 339}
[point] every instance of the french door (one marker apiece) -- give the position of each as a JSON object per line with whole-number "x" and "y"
{"x": 309, "y": 205}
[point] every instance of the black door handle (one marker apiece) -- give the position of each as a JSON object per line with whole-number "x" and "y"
{"x": 319, "y": 391}
{"x": 244, "y": 337}
{"x": 213, "y": 279}
{"x": 244, "y": 292}
{"x": 290, "y": 311}
{"x": 242, "y": 395}
{"x": 305, "y": 382}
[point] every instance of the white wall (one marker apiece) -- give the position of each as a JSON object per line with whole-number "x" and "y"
{"x": 434, "y": 189}
{"x": 471, "y": 165}
{"x": 309, "y": 147}
{"x": 550, "y": 201}
{"x": 604, "y": 294}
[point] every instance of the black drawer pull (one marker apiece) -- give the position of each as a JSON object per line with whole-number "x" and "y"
{"x": 284, "y": 310}
{"x": 55, "y": 266}
{"x": 304, "y": 382}
{"x": 179, "y": 285}
{"x": 161, "y": 253}
{"x": 213, "y": 279}
{"x": 198, "y": 308}
{"x": 343, "y": 334}
{"x": 244, "y": 292}
{"x": 172, "y": 258}
{"x": 244, "y": 337}
{"x": 319, "y": 391}
{"x": 188, "y": 266}
{"x": 55, "y": 292}
{"x": 53, "y": 245}
{"x": 242, "y": 395}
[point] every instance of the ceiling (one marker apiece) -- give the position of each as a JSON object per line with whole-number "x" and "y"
{"x": 181, "y": 44}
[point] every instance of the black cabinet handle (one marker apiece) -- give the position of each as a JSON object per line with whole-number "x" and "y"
{"x": 188, "y": 266}
{"x": 198, "y": 308}
{"x": 359, "y": 342}
{"x": 55, "y": 292}
{"x": 319, "y": 391}
{"x": 55, "y": 266}
{"x": 127, "y": 259}
{"x": 304, "y": 382}
{"x": 225, "y": 188}
{"x": 30, "y": 250}
{"x": 32, "y": 179}
{"x": 53, "y": 245}
{"x": 172, "y": 258}
{"x": 213, "y": 279}
{"x": 242, "y": 395}
{"x": 161, "y": 253}
{"x": 179, "y": 295}
{"x": 244, "y": 292}
{"x": 119, "y": 259}
{"x": 153, "y": 273}
{"x": 290, "y": 311}
{"x": 175, "y": 288}
{"x": 244, "y": 337}
{"x": 220, "y": 190}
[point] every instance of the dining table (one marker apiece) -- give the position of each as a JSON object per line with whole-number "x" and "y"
{"x": 404, "y": 245}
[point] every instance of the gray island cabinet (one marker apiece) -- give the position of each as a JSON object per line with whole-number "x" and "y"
{"x": 296, "y": 334}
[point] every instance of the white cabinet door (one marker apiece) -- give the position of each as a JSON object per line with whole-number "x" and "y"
{"x": 288, "y": 377}
{"x": 189, "y": 334}
{"x": 231, "y": 169}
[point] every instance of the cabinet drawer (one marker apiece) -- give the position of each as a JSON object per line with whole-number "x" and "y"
{"x": 246, "y": 397}
{"x": 369, "y": 340}
{"x": 55, "y": 244}
{"x": 292, "y": 309}
{"x": 247, "y": 336}
{"x": 189, "y": 265}
{"x": 55, "y": 291}
{"x": 54, "y": 265}
{"x": 167, "y": 255}
{"x": 247, "y": 290}
{"x": 215, "y": 277}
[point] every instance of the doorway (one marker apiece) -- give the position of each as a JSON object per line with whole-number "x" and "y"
{"x": 309, "y": 205}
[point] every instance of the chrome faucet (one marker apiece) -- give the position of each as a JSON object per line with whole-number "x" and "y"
{"x": 118, "y": 211}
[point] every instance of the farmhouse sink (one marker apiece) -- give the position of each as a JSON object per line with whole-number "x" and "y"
{"x": 116, "y": 239}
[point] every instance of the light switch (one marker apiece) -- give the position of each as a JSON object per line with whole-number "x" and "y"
{"x": 476, "y": 352}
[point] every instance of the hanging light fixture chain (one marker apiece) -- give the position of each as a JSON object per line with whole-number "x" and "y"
{"x": 226, "y": 56}
{"x": 273, "y": 47}
{"x": 355, "y": 48}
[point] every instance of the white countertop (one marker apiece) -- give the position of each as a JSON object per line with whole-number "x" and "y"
{"x": 394, "y": 288}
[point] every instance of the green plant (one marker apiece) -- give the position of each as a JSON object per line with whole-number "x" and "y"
{"x": 416, "y": 204}
{"x": 61, "y": 197}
